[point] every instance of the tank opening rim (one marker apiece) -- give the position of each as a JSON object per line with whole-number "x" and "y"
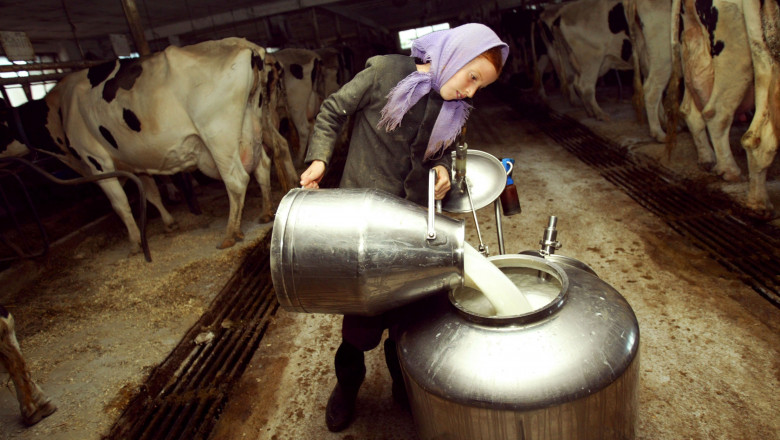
{"x": 527, "y": 261}
{"x": 562, "y": 259}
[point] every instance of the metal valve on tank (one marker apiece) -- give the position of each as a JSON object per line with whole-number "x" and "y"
{"x": 549, "y": 242}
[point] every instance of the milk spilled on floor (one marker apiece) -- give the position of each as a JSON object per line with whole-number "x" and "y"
{"x": 479, "y": 273}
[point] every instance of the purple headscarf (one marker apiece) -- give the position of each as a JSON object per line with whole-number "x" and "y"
{"x": 447, "y": 51}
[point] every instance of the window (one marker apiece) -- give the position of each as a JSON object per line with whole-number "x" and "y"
{"x": 406, "y": 37}
{"x": 39, "y": 89}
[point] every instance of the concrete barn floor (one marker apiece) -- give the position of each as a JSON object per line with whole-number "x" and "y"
{"x": 710, "y": 345}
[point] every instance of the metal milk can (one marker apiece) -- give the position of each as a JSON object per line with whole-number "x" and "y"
{"x": 568, "y": 370}
{"x": 361, "y": 251}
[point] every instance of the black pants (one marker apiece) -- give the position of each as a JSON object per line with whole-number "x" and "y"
{"x": 361, "y": 334}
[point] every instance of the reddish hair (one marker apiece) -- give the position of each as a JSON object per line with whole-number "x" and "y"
{"x": 495, "y": 57}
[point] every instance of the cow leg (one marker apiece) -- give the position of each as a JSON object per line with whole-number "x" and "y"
{"x": 262, "y": 174}
{"x": 760, "y": 141}
{"x": 153, "y": 196}
{"x": 558, "y": 70}
{"x": 733, "y": 79}
{"x": 654, "y": 23}
{"x": 33, "y": 404}
{"x": 116, "y": 195}
{"x": 312, "y": 108}
{"x": 274, "y": 144}
{"x": 698, "y": 129}
{"x": 759, "y": 160}
{"x": 564, "y": 69}
{"x": 285, "y": 169}
{"x": 654, "y": 86}
{"x": 280, "y": 151}
{"x": 540, "y": 66}
{"x": 183, "y": 181}
{"x": 236, "y": 180}
{"x": 654, "y": 110}
{"x": 585, "y": 85}
{"x": 719, "y": 126}
{"x": 178, "y": 187}
{"x": 303, "y": 128}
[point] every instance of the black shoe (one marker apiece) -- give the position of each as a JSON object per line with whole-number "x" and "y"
{"x": 341, "y": 409}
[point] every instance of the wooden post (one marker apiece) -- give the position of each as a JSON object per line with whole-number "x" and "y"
{"x": 134, "y": 22}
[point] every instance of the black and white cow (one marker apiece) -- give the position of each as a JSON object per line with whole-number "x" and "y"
{"x": 590, "y": 38}
{"x": 304, "y": 89}
{"x": 336, "y": 68}
{"x": 650, "y": 31}
{"x": 557, "y": 54}
{"x": 33, "y": 404}
{"x": 195, "y": 107}
{"x": 728, "y": 66}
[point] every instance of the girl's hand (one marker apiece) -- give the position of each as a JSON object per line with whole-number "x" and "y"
{"x": 442, "y": 182}
{"x": 312, "y": 176}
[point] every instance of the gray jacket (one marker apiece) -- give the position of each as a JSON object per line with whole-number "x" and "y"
{"x": 377, "y": 159}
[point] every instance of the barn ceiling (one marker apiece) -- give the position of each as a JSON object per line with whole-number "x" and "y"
{"x": 87, "y": 24}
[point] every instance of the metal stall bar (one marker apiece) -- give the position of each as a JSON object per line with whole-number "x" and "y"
{"x": 80, "y": 180}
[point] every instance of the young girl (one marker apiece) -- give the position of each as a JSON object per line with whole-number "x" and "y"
{"x": 408, "y": 111}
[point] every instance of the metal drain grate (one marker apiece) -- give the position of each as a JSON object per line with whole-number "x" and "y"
{"x": 707, "y": 218}
{"x": 184, "y": 394}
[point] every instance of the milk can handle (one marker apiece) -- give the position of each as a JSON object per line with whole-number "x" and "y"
{"x": 431, "y": 235}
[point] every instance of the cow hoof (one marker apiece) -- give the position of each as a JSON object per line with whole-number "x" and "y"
{"x": 707, "y": 166}
{"x": 44, "y": 410}
{"x": 135, "y": 249}
{"x": 231, "y": 241}
{"x": 761, "y": 212}
{"x": 226, "y": 243}
{"x": 266, "y": 218}
{"x": 730, "y": 176}
{"x": 172, "y": 227}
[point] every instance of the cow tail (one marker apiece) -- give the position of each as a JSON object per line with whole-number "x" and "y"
{"x": 567, "y": 59}
{"x": 673, "y": 90}
{"x": 638, "y": 100}
{"x": 770, "y": 22}
{"x": 258, "y": 64}
{"x": 567, "y": 50}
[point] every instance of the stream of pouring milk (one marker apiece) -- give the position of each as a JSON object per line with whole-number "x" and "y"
{"x": 481, "y": 274}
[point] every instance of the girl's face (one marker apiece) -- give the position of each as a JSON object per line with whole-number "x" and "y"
{"x": 478, "y": 73}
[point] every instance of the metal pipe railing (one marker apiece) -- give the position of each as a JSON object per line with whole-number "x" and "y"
{"x": 80, "y": 180}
